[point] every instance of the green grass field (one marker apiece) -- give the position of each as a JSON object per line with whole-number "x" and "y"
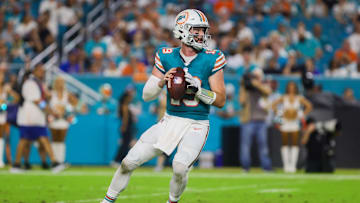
{"x": 89, "y": 184}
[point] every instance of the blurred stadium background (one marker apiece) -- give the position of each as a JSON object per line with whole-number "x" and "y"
{"x": 105, "y": 48}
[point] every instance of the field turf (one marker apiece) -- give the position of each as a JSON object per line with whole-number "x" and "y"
{"x": 228, "y": 185}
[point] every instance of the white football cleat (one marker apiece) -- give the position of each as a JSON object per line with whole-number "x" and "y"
{"x": 16, "y": 170}
{"x": 57, "y": 168}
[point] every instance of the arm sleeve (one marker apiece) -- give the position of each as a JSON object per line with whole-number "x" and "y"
{"x": 219, "y": 64}
{"x": 158, "y": 63}
{"x": 151, "y": 89}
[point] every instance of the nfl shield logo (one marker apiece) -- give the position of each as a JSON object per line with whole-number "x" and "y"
{"x": 177, "y": 80}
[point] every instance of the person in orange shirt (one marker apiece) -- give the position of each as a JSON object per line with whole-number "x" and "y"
{"x": 136, "y": 69}
{"x": 228, "y": 4}
{"x": 345, "y": 50}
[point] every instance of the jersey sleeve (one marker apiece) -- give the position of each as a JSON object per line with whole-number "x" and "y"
{"x": 158, "y": 63}
{"x": 220, "y": 62}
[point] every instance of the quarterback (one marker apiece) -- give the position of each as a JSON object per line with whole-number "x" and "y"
{"x": 185, "y": 125}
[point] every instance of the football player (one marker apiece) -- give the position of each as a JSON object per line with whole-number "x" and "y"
{"x": 185, "y": 124}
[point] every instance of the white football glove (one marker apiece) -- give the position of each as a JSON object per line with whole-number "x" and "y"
{"x": 194, "y": 83}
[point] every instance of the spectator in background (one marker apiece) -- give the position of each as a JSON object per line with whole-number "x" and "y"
{"x": 345, "y": 51}
{"x": 44, "y": 33}
{"x": 115, "y": 44}
{"x": 277, "y": 44}
{"x": 166, "y": 21}
{"x": 72, "y": 65}
{"x": 273, "y": 67}
{"x": 79, "y": 107}
{"x": 279, "y": 54}
{"x": 231, "y": 109}
{"x": 5, "y": 93}
{"x": 225, "y": 24}
{"x": 112, "y": 70}
{"x": 252, "y": 97}
{"x": 317, "y": 9}
{"x": 98, "y": 62}
{"x": 292, "y": 114}
{"x": 307, "y": 46}
{"x": 335, "y": 69}
{"x": 344, "y": 10}
{"x": 26, "y": 26}
{"x": 221, "y": 4}
{"x": 8, "y": 32}
{"x": 262, "y": 54}
{"x": 18, "y": 50}
{"x": 4, "y": 57}
{"x": 354, "y": 38}
{"x": 67, "y": 13}
{"x": 348, "y": 95}
{"x": 14, "y": 13}
{"x": 135, "y": 69}
{"x": 322, "y": 38}
{"x": 138, "y": 45}
{"x": 248, "y": 64}
{"x": 244, "y": 33}
{"x": 283, "y": 29}
{"x": 106, "y": 106}
{"x": 53, "y": 7}
{"x": 355, "y": 71}
{"x": 94, "y": 43}
{"x": 127, "y": 125}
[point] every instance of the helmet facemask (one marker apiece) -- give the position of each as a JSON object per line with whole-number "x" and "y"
{"x": 196, "y": 39}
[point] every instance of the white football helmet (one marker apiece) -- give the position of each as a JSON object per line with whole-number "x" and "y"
{"x": 186, "y": 20}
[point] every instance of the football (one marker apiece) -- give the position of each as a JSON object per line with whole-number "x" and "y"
{"x": 177, "y": 85}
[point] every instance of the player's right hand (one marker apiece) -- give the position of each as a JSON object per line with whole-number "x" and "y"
{"x": 168, "y": 76}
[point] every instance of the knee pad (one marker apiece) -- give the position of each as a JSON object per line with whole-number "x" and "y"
{"x": 127, "y": 166}
{"x": 180, "y": 170}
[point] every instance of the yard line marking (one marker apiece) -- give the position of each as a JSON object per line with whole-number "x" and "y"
{"x": 198, "y": 175}
{"x": 278, "y": 190}
{"x": 189, "y": 190}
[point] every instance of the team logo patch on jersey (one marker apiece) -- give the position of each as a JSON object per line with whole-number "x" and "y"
{"x": 177, "y": 80}
{"x": 182, "y": 18}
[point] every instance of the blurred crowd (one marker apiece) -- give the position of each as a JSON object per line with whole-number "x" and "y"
{"x": 280, "y": 37}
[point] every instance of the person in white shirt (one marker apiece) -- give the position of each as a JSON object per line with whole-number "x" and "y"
{"x": 354, "y": 39}
{"x": 26, "y": 26}
{"x": 244, "y": 33}
{"x": 53, "y": 7}
{"x": 32, "y": 118}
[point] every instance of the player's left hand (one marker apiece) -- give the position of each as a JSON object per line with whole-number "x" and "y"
{"x": 194, "y": 83}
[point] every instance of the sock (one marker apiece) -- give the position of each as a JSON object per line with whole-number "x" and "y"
{"x": 294, "y": 157}
{"x": 119, "y": 182}
{"x": 62, "y": 152}
{"x": 285, "y": 157}
{"x": 2, "y": 145}
{"x": 108, "y": 199}
{"x": 56, "y": 146}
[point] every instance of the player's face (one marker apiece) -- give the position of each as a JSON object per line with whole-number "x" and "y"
{"x": 199, "y": 33}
